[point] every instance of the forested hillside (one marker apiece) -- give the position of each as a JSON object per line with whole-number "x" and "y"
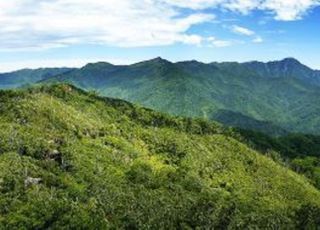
{"x": 275, "y": 98}
{"x": 70, "y": 158}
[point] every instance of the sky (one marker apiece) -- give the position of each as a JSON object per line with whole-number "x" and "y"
{"x": 56, "y": 33}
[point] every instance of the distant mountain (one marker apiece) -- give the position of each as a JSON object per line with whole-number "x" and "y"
{"x": 274, "y": 97}
{"x": 287, "y": 68}
{"x": 70, "y": 158}
{"x": 28, "y": 76}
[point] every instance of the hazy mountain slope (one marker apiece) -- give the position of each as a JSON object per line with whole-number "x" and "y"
{"x": 283, "y": 94}
{"x": 285, "y": 102}
{"x": 28, "y": 76}
{"x": 164, "y": 86}
{"x": 69, "y": 158}
{"x": 238, "y": 120}
{"x": 287, "y": 68}
{"x": 155, "y": 84}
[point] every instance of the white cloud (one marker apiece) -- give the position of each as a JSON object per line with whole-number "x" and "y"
{"x": 288, "y": 10}
{"x": 39, "y": 24}
{"x": 242, "y": 6}
{"x": 221, "y": 43}
{"x": 242, "y": 30}
{"x": 285, "y": 10}
{"x": 247, "y": 32}
{"x": 125, "y": 23}
{"x": 258, "y": 39}
{"x": 214, "y": 42}
{"x": 194, "y": 4}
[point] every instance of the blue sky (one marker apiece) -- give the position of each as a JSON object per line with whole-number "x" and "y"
{"x": 39, "y": 33}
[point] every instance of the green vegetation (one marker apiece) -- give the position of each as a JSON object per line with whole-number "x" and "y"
{"x": 275, "y": 98}
{"x": 302, "y": 152}
{"x": 27, "y": 77}
{"x": 72, "y": 160}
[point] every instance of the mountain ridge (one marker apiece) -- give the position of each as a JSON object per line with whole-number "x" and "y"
{"x": 283, "y": 93}
{"x": 166, "y": 60}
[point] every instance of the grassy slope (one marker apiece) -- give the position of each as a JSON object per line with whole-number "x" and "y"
{"x": 127, "y": 167}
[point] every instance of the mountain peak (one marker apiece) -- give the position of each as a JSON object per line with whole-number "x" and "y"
{"x": 155, "y": 61}
{"x": 159, "y": 60}
{"x": 290, "y": 60}
{"x": 97, "y": 64}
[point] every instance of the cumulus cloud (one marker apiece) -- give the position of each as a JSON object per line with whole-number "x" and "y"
{"x": 39, "y": 24}
{"x": 288, "y": 10}
{"x": 242, "y": 6}
{"x": 285, "y": 10}
{"x": 125, "y": 23}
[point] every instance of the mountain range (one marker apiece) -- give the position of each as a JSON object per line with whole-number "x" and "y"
{"x": 277, "y": 97}
{"x": 28, "y": 76}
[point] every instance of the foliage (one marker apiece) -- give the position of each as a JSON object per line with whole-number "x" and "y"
{"x": 302, "y": 152}
{"x": 276, "y": 98}
{"x": 104, "y": 163}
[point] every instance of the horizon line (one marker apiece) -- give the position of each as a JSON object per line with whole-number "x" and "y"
{"x": 129, "y": 63}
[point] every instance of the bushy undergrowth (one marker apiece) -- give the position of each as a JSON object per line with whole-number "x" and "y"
{"x": 72, "y": 160}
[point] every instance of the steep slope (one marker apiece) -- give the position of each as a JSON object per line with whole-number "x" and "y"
{"x": 28, "y": 76}
{"x": 72, "y": 159}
